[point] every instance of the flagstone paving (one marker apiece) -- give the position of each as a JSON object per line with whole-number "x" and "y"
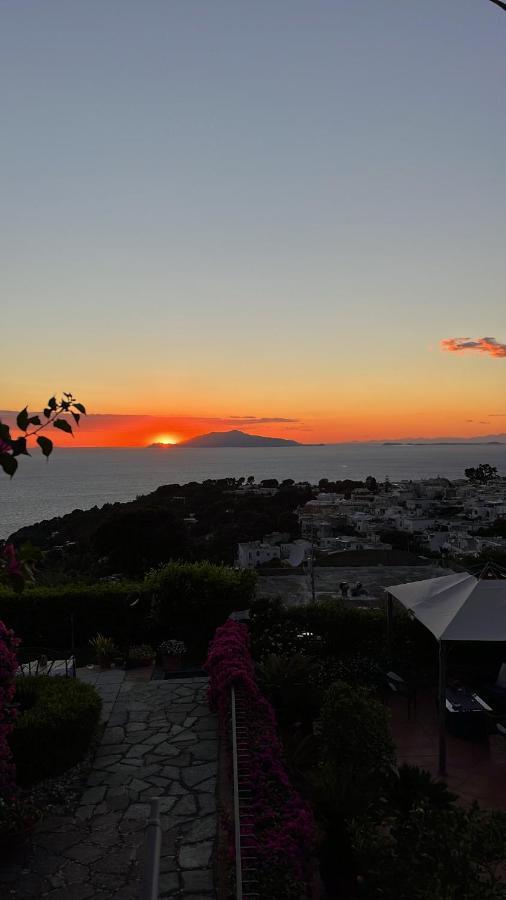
{"x": 160, "y": 740}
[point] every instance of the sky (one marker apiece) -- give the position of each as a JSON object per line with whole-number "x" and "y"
{"x": 285, "y": 214}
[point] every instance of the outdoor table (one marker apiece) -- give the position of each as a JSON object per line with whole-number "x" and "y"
{"x": 466, "y": 713}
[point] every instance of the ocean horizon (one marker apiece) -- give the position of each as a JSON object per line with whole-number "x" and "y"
{"x": 81, "y": 478}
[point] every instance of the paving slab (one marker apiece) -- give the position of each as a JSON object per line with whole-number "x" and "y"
{"x": 160, "y": 740}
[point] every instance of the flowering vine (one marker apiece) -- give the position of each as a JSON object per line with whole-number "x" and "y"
{"x": 284, "y": 827}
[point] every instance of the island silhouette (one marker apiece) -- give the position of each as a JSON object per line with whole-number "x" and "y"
{"x": 234, "y": 438}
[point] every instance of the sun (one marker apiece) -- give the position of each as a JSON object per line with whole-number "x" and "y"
{"x": 166, "y": 439}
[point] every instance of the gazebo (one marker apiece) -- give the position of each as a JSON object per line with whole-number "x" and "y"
{"x": 457, "y": 607}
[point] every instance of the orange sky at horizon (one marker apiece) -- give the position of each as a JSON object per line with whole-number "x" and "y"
{"x": 361, "y": 424}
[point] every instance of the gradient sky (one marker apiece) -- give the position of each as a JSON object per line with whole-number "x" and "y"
{"x": 274, "y": 209}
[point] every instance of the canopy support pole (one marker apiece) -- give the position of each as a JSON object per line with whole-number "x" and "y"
{"x": 442, "y": 708}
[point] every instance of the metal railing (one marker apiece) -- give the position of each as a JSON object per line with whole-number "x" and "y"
{"x": 244, "y": 826}
{"x": 150, "y": 882}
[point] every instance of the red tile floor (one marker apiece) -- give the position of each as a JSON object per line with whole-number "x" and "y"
{"x": 476, "y": 768}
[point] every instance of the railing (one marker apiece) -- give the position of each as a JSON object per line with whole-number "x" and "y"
{"x": 244, "y": 826}
{"x": 150, "y": 882}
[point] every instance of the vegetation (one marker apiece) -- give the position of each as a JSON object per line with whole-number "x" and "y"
{"x": 482, "y": 474}
{"x": 56, "y": 413}
{"x": 384, "y": 831}
{"x": 183, "y": 600}
{"x": 192, "y": 522}
{"x": 284, "y": 829}
{"x": 53, "y": 731}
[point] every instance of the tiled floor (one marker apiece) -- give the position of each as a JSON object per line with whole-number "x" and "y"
{"x": 476, "y": 769}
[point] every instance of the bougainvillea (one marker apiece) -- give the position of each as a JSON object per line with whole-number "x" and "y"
{"x": 284, "y": 829}
{"x": 8, "y": 668}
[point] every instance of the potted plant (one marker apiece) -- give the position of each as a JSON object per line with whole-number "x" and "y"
{"x": 105, "y": 649}
{"x": 18, "y": 818}
{"x": 140, "y": 655}
{"x": 171, "y": 655}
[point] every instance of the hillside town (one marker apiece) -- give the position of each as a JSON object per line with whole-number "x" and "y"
{"x": 407, "y": 523}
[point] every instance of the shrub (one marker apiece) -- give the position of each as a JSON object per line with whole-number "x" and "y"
{"x": 290, "y": 684}
{"x": 42, "y": 615}
{"x": 193, "y": 599}
{"x": 57, "y": 721}
{"x": 283, "y": 826}
{"x": 187, "y": 599}
{"x": 432, "y": 854}
{"x": 356, "y": 743}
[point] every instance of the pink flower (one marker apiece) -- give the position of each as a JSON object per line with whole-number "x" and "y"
{"x": 5, "y": 447}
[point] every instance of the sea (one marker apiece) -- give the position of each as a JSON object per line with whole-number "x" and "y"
{"x": 83, "y": 478}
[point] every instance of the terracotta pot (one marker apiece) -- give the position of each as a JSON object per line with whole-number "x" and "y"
{"x": 172, "y": 663}
{"x": 139, "y": 663}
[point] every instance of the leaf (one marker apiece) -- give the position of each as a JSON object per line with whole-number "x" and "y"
{"x": 19, "y": 447}
{"x": 47, "y": 412}
{"x": 34, "y": 420}
{"x": 52, "y": 403}
{"x": 76, "y": 417}
{"x": 5, "y": 434}
{"x": 80, "y": 407}
{"x": 8, "y": 463}
{"x": 22, "y": 419}
{"x": 63, "y": 425}
{"x": 45, "y": 445}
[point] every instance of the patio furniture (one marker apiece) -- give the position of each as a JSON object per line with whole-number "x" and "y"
{"x": 467, "y": 715}
{"x": 400, "y": 685}
{"x": 496, "y": 692}
{"x": 456, "y": 607}
{"x": 43, "y": 661}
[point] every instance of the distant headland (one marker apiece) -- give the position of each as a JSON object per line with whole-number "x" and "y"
{"x": 233, "y": 438}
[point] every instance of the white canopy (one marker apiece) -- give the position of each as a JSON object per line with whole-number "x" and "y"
{"x": 457, "y": 607}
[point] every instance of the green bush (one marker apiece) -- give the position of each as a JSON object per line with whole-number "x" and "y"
{"x": 289, "y": 682}
{"x": 182, "y": 600}
{"x": 191, "y": 600}
{"x": 432, "y": 853}
{"x": 41, "y": 616}
{"x": 58, "y": 719}
{"x": 356, "y": 743}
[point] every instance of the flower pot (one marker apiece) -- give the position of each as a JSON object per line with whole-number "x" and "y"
{"x": 172, "y": 663}
{"x": 104, "y": 662}
{"x": 139, "y": 662}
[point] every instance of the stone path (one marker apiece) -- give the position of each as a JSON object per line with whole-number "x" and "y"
{"x": 160, "y": 740}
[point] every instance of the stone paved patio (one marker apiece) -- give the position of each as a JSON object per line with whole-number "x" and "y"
{"x": 160, "y": 740}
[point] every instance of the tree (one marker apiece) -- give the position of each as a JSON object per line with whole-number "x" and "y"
{"x": 482, "y": 474}
{"x": 371, "y": 484}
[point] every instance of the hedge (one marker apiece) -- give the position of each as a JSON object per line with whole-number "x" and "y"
{"x": 182, "y": 600}
{"x": 58, "y": 719}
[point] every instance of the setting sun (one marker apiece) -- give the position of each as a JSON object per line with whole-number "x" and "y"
{"x": 166, "y": 439}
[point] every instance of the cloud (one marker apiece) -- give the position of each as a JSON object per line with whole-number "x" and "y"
{"x": 255, "y": 420}
{"x": 496, "y": 415}
{"x": 479, "y": 345}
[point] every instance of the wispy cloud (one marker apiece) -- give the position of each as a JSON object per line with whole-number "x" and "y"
{"x": 487, "y": 345}
{"x": 256, "y": 420}
{"x": 495, "y": 415}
